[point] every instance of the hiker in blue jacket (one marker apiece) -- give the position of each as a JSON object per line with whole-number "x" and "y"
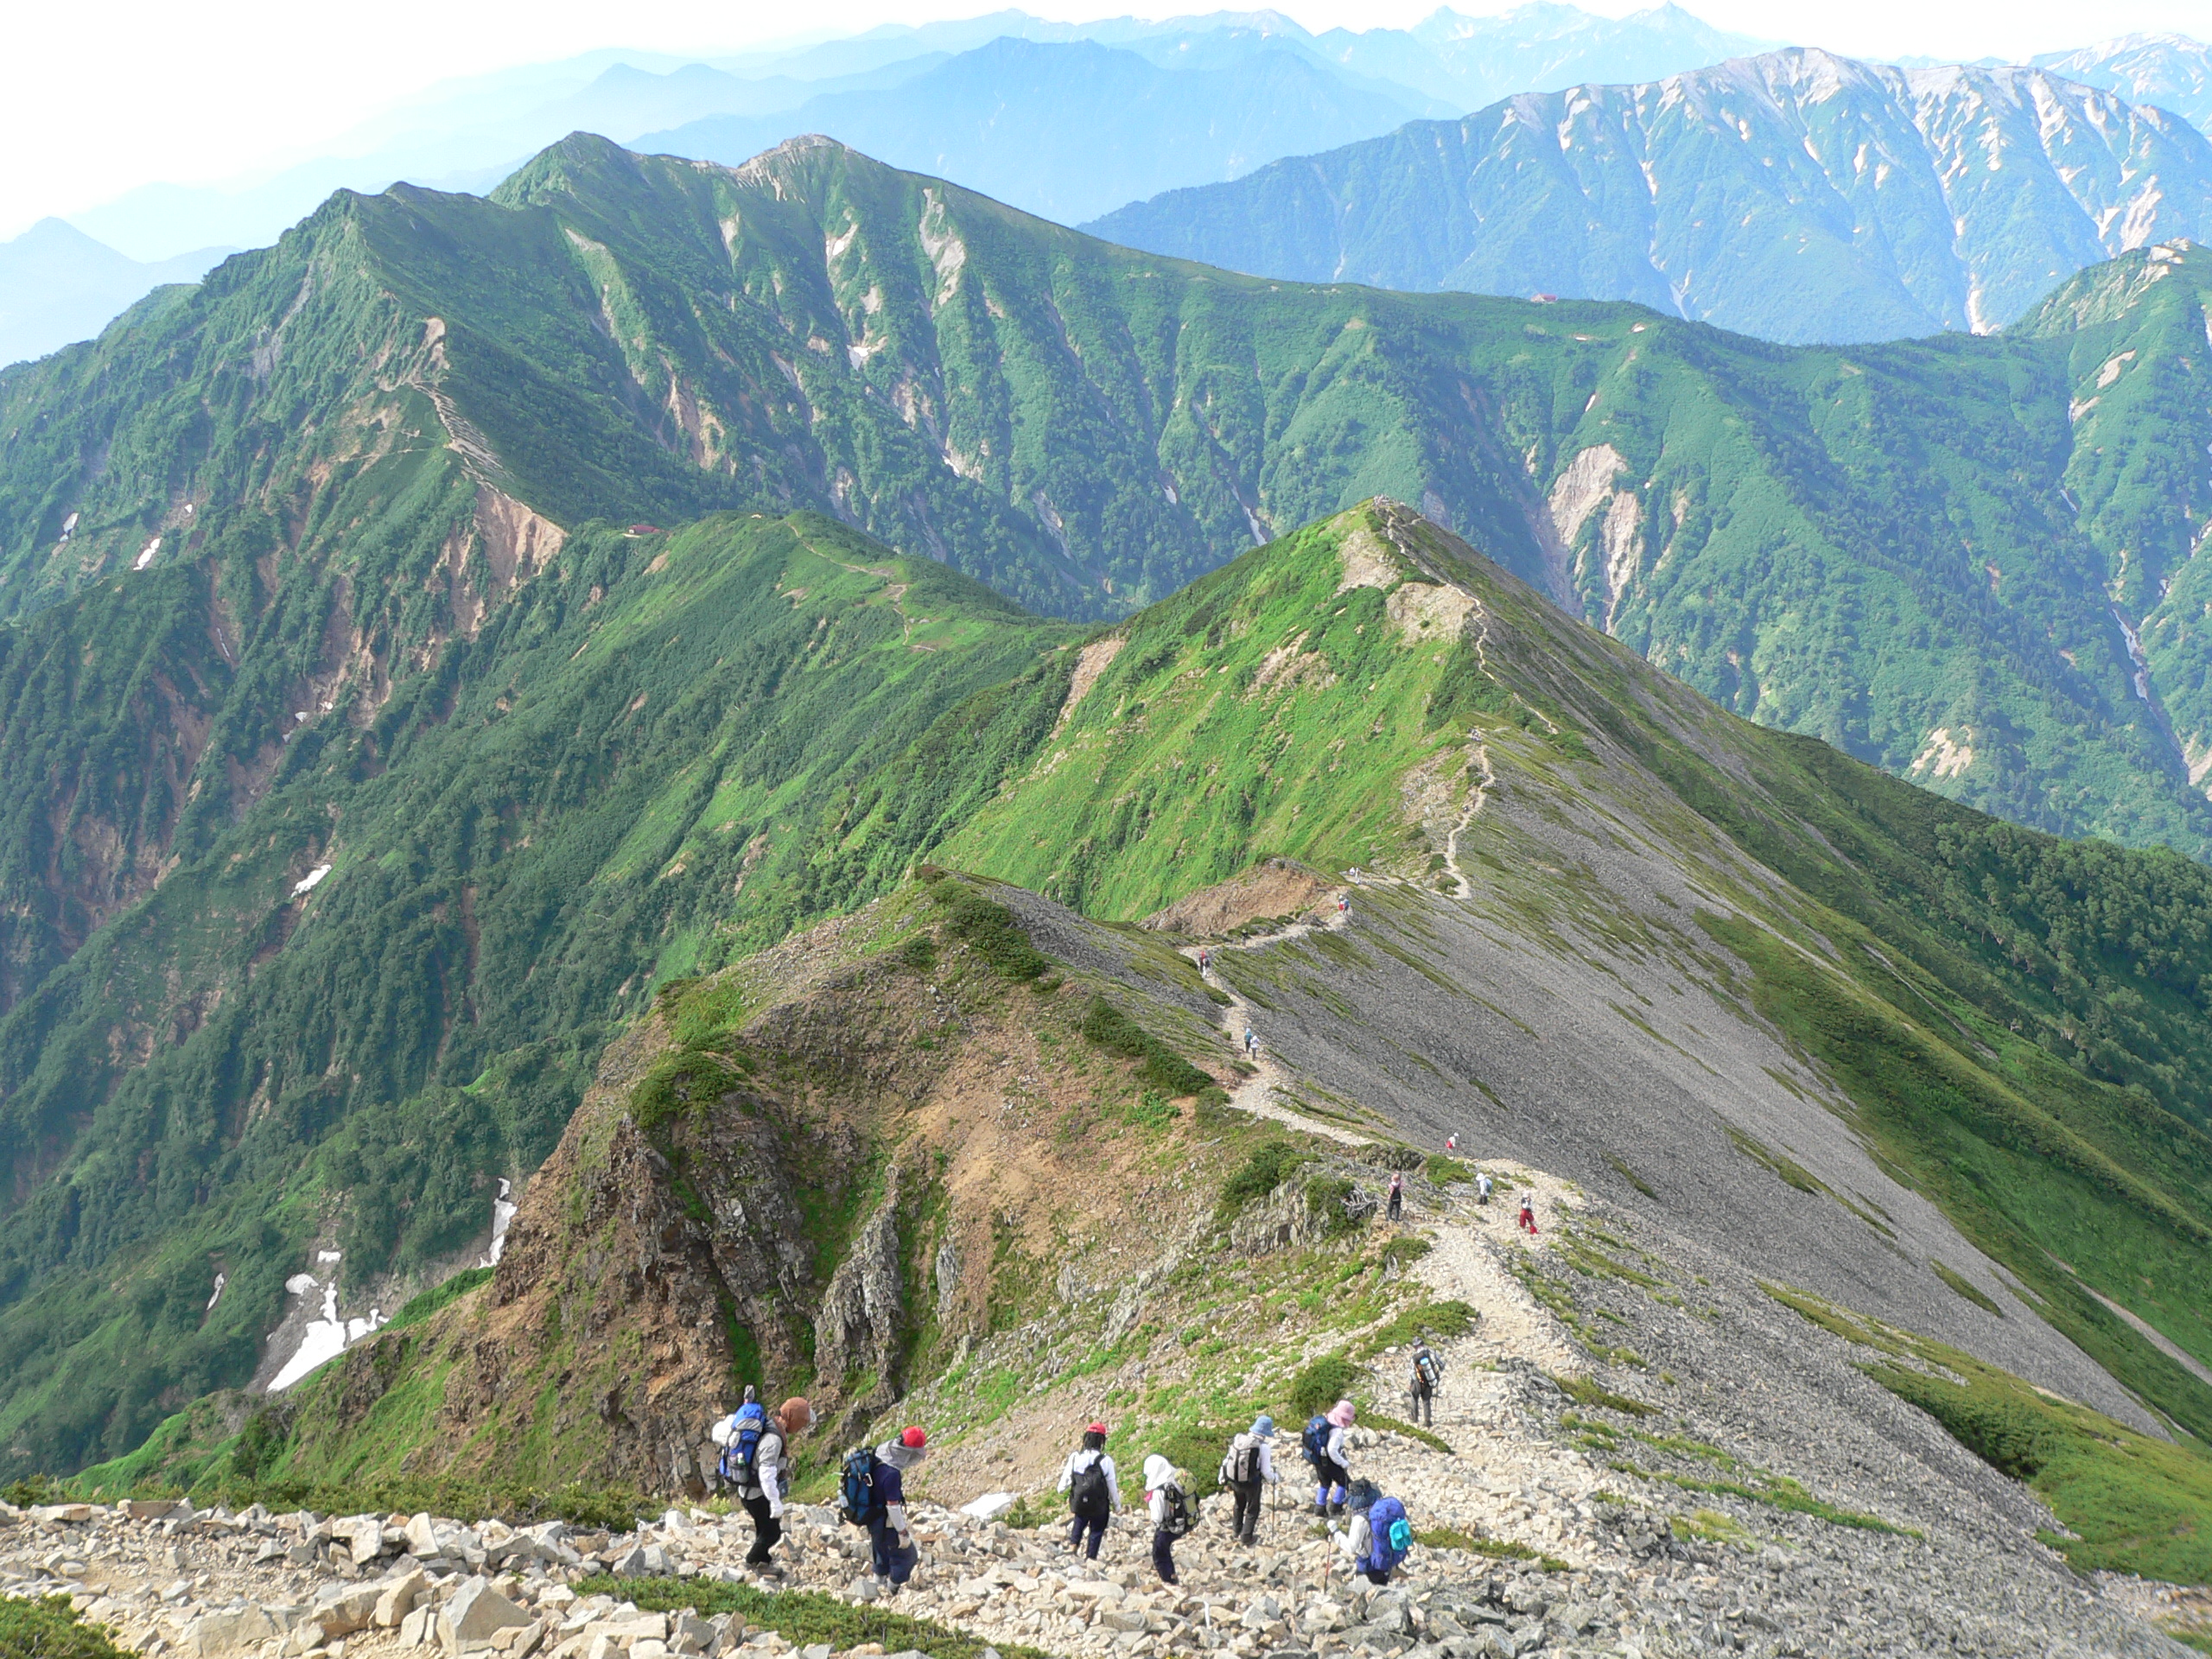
{"x": 890, "y": 1535}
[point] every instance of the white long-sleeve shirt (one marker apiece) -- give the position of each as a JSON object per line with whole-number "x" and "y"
{"x": 771, "y": 1470}
{"x": 1267, "y": 1461}
{"x": 1335, "y": 1449}
{"x": 1082, "y": 1459}
{"x": 1358, "y": 1540}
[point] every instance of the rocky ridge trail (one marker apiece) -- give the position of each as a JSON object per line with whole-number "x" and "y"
{"x": 1567, "y": 1519}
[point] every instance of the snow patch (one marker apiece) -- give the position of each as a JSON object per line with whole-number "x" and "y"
{"x": 307, "y": 883}
{"x": 503, "y": 1211}
{"x": 2135, "y": 654}
{"x": 146, "y": 554}
{"x": 991, "y": 1505}
{"x": 221, "y": 1281}
{"x": 326, "y": 1338}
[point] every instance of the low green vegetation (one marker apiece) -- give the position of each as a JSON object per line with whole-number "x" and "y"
{"x": 804, "y": 1618}
{"x": 51, "y": 1629}
{"x": 2130, "y": 1503}
{"x": 1584, "y": 1391}
{"x": 1270, "y": 1164}
{"x": 1158, "y": 1065}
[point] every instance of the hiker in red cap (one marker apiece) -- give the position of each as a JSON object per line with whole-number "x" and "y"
{"x": 1093, "y": 1492}
{"x": 890, "y": 1535}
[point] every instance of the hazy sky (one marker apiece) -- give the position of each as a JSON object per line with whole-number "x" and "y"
{"x": 104, "y": 97}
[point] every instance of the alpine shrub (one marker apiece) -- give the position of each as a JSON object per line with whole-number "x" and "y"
{"x": 1162, "y": 1067}
{"x": 990, "y": 930}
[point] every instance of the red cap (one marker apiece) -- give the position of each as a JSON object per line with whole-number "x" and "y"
{"x": 915, "y": 1437}
{"x": 1097, "y": 1429}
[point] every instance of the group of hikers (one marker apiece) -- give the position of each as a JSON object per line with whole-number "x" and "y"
{"x": 1371, "y": 1530}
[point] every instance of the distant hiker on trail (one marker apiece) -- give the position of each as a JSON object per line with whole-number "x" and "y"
{"x": 1428, "y": 1371}
{"x": 890, "y": 1535}
{"x": 1344, "y": 905}
{"x": 1451, "y": 1143}
{"x": 1252, "y": 1042}
{"x": 1397, "y": 1195}
{"x": 1093, "y": 1492}
{"x": 763, "y": 1483}
{"x": 1205, "y": 960}
{"x": 1379, "y": 1536}
{"x": 1528, "y": 1214}
{"x": 1248, "y": 1468}
{"x": 1175, "y": 1512}
{"x": 1482, "y": 1186}
{"x": 1324, "y": 1444}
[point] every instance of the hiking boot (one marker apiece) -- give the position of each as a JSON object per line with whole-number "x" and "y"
{"x": 1336, "y": 1511}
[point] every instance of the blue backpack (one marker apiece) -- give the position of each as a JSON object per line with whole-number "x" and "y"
{"x": 1315, "y": 1439}
{"x": 744, "y": 1446}
{"x": 1389, "y": 1533}
{"x": 856, "y": 1486}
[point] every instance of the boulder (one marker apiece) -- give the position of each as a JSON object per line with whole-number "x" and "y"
{"x": 213, "y": 1636}
{"x": 51, "y": 1515}
{"x": 399, "y": 1599}
{"x": 422, "y": 1537}
{"x": 474, "y": 1612}
{"x": 417, "y": 1627}
{"x": 344, "y": 1608}
{"x": 149, "y": 1509}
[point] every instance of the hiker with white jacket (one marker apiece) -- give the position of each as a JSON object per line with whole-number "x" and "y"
{"x": 1094, "y": 1493}
{"x": 1173, "y": 1511}
{"x": 763, "y": 1483}
{"x": 1247, "y": 1468}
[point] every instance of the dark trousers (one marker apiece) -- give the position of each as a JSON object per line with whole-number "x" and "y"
{"x": 889, "y": 1561}
{"x": 766, "y": 1529}
{"x": 1424, "y": 1405}
{"x": 1246, "y": 1523}
{"x": 1397, "y": 1205}
{"x": 1096, "y": 1524}
{"x": 1163, "y": 1555}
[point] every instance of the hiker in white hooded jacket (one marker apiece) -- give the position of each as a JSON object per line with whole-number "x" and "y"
{"x": 1248, "y": 1468}
{"x": 1088, "y": 1513}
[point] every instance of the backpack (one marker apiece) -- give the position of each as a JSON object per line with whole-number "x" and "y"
{"x": 1088, "y": 1494}
{"x": 747, "y": 1427}
{"x": 856, "y": 1486}
{"x": 1315, "y": 1440}
{"x": 1241, "y": 1467}
{"x": 1177, "y": 1515}
{"x": 1428, "y": 1370}
{"x": 1390, "y": 1534}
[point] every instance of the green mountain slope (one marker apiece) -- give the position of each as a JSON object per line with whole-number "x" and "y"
{"x": 1364, "y": 694}
{"x": 1772, "y": 1007}
{"x": 1875, "y": 546}
{"x": 387, "y": 971}
{"x": 1796, "y": 195}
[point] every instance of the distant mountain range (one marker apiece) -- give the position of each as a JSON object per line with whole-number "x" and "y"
{"x": 1069, "y": 131}
{"x": 1796, "y": 195}
{"x": 57, "y": 284}
{"x": 2170, "y": 71}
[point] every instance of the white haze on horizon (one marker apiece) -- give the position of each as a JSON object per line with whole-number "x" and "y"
{"x": 107, "y": 98}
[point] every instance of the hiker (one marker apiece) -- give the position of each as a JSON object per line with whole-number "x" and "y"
{"x": 1482, "y": 1186}
{"x": 1379, "y": 1535}
{"x": 890, "y": 1535}
{"x": 764, "y": 1480}
{"x": 1247, "y": 1468}
{"x": 1451, "y": 1143}
{"x": 1344, "y": 905}
{"x": 1324, "y": 1444}
{"x": 1251, "y": 1042}
{"x": 1528, "y": 1214}
{"x": 738, "y": 1434}
{"x": 1397, "y": 1195}
{"x": 1175, "y": 1512}
{"x": 1205, "y": 960}
{"x": 1428, "y": 1371}
{"x": 1093, "y": 1490}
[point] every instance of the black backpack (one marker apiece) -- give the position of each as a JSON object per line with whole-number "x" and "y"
{"x": 1178, "y": 1514}
{"x": 1088, "y": 1494}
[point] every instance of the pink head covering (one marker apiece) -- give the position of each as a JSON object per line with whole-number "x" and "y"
{"x": 1341, "y": 1414}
